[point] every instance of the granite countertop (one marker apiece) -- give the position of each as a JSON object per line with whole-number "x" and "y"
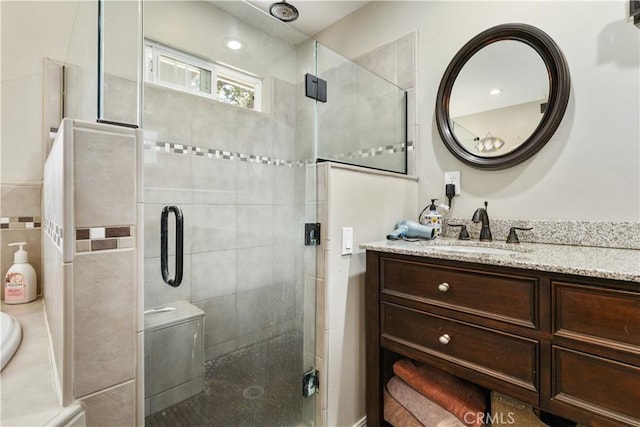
{"x": 606, "y": 263}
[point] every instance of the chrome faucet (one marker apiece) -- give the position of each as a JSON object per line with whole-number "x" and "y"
{"x": 481, "y": 215}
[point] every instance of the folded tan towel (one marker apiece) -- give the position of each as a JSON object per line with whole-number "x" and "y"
{"x": 396, "y": 414}
{"x": 462, "y": 398}
{"x": 424, "y": 410}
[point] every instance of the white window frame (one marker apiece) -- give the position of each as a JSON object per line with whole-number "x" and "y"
{"x": 216, "y": 70}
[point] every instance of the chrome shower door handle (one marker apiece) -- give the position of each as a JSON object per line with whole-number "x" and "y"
{"x": 164, "y": 243}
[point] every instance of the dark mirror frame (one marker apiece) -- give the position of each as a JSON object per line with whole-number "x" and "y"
{"x": 559, "y": 89}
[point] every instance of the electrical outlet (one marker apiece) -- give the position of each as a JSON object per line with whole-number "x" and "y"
{"x": 453, "y": 177}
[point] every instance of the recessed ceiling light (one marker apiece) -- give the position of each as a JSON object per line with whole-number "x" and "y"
{"x": 234, "y": 44}
{"x": 495, "y": 91}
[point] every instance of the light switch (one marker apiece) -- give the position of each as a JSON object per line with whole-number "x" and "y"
{"x": 347, "y": 240}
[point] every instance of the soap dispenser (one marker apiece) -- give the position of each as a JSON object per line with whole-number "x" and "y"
{"x": 20, "y": 282}
{"x": 432, "y": 217}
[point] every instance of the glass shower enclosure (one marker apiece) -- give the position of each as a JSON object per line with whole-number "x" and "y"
{"x": 231, "y": 144}
{"x": 220, "y": 113}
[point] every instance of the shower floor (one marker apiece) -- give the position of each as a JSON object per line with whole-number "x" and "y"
{"x": 259, "y": 385}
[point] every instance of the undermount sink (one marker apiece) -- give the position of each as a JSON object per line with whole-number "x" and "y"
{"x": 472, "y": 249}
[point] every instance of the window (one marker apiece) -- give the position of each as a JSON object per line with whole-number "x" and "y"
{"x": 177, "y": 70}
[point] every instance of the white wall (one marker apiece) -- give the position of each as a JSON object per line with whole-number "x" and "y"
{"x": 371, "y": 203}
{"x": 32, "y": 31}
{"x": 594, "y": 157}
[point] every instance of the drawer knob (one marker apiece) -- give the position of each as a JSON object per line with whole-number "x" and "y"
{"x": 444, "y": 339}
{"x": 443, "y": 287}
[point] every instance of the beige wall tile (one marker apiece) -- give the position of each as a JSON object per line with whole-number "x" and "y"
{"x": 214, "y": 125}
{"x": 169, "y": 113}
{"x": 20, "y": 200}
{"x": 120, "y": 100}
{"x": 113, "y": 407}
{"x": 105, "y": 190}
{"x": 104, "y": 320}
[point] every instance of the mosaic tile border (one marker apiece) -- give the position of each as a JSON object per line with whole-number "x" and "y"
{"x": 375, "y": 151}
{"x": 20, "y": 222}
{"x": 182, "y": 149}
{"x": 172, "y": 148}
{"x": 55, "y": 232}
{"x": 105, "y": 238}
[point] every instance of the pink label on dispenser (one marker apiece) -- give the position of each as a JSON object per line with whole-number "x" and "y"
{"x": 14, "y": 288}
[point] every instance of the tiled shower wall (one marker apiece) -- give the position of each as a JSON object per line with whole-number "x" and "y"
{"x": 233, "y": 173}
{"x": 396, "y": 62}
{"x": 91, "y": 210}
{"x": 363, "y": 121}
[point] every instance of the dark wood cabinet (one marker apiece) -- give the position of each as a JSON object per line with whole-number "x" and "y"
{"x": 564, "y": 344}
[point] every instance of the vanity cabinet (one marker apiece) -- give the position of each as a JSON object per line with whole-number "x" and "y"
{"x": 564, "y": 344}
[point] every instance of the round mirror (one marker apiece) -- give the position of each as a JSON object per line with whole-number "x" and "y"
{"x": 503, "y": 96}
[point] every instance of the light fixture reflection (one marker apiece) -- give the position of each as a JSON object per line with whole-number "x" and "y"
{"x": 489, "y": 144}
{"x": 495, "y": 91}
{"x": 234, "y": 44}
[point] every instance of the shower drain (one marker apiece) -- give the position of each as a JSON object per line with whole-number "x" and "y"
{"x": 253, "y": 392}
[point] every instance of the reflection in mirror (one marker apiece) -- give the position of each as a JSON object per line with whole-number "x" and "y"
{"x": 503, "y": 96}
{"x": 498, "y": 98}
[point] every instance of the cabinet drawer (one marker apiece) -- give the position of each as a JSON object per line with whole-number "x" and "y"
{"x": 503, "y": 297}
{"x": 499, "y": 355}
{"x": 599, "y": 385}
{"x": 599, "y": 316}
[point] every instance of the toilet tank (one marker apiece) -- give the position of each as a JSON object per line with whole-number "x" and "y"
{"x": 173, "y": 354}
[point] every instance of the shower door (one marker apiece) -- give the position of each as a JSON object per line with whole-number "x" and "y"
{"x": 229, "y": 143}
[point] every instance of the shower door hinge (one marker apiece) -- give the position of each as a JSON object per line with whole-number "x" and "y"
{"x": 315, "y": 88}
{"x": 312, "y": 234}
{"x": 310, "y": 383}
